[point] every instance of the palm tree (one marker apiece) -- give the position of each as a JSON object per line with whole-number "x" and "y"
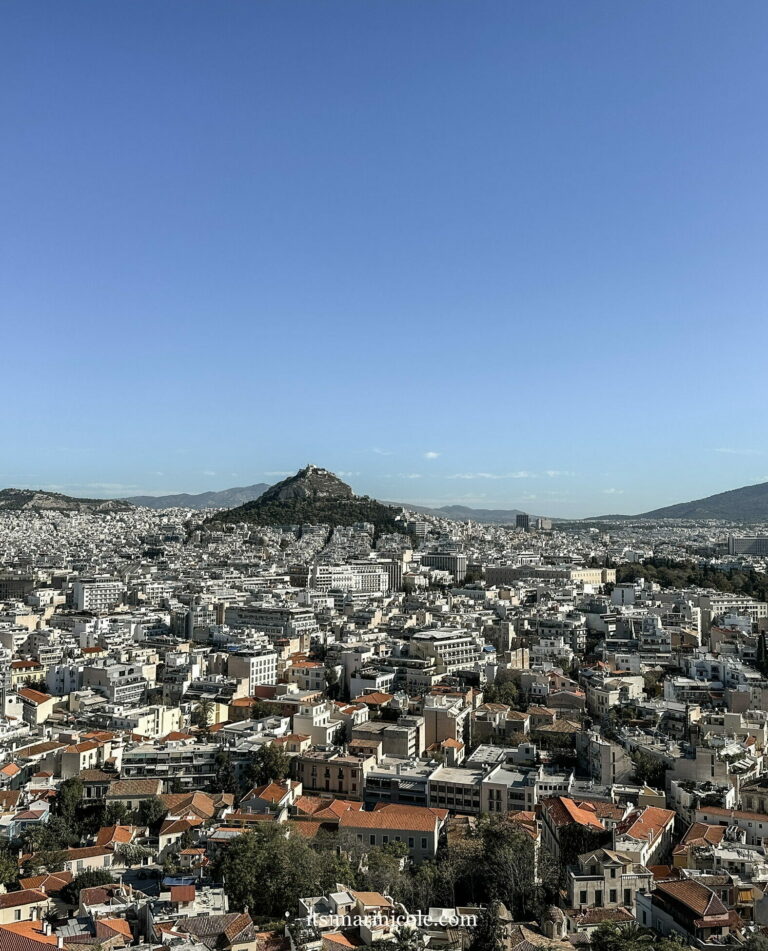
{"x": 203, "y": 713}
{"x": 408, "y": 939}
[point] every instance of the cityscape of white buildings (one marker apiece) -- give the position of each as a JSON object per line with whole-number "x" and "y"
{"x": 447, "y": 672}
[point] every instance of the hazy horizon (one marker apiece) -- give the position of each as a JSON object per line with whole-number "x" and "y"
{"x": 527, "y": 505}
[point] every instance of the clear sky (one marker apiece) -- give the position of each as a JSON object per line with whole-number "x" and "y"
{"x": 495, "y": 252}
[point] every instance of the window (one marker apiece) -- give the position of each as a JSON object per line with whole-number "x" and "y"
{"x": 627, "y": 896}
{"x": 423, "y": 842}
{"x": 582, "y": 898}
{"x": 598, "y": 899}
{"x": 373, "y": 840}
{"x": 613, "y": 898}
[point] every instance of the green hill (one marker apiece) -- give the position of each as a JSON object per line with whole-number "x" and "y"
{"x": 313, "y": 496}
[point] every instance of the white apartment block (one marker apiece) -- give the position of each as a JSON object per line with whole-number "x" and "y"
{"x": 97, "y": 594}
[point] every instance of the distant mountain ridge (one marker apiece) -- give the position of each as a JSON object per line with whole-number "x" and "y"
{"x": 463, "y": 513}
{"x": 225, "y": 499}
{"x": 747, "y": 504}
{"x": 25, "y": 500}
{"x": 312, "y": 496}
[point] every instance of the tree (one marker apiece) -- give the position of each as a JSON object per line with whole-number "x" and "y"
{"x": 756, "y": 942}
{"x": 508, "y": 870}
{"x": 269, "y": 763}
{"x": 9, "y": 868}
{"x": 267, "y": 871}
{"x": 115, "y": 813}
{"x": 69, "y": 798}
{"x": 408, "y": 939}
{"x": 488, "y": 934}
{"x": 652, "y": 682}
{"x": 332, "y": 686}
{"x": 203, "y": 714}
{"x": 385, "y": 869}
{"x": 38, "y": 684}
{"x": 505, "y": 692}
{"x": 151, "y": 813}
{"x": 260, "y": 709}
{"x": 56, "y": 834}
{"x": 649, "y": 769}
{"x": 88, "y": 879}
{"x": 761, "y": 657}
{"x": 225, "y": 781}
{"x": 623, "y": 937}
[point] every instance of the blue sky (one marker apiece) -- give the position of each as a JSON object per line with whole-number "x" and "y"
{"x": 494, "y": 252}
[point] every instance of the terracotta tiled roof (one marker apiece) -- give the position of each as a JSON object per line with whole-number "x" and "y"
{"x": 650, "y": 824}
{"x": 700, "y": 834}
{"x": 407, "y": 818}
{"x": 311, "y": 805}
{"x": 178, "y": 826}
{"x": 376, "y": 699}
{"x": 199, "y": 803}
{"x": 47, "y": 883}
{"x": 34, "y": 696}
{"x": 110, "y": 835}
{"x": 26, "y": 896}
{"x": 26, "y": 936}
{"x": 113, "y": 926}
{"x": 134, "y": 787}
{"x": 272, "y": 792}
{"x": 371, "y": 899}
{"x": 702, "y": 901}
{"x": 564, "y": 811}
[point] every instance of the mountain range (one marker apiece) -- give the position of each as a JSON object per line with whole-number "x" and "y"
{"x": 747, "y": 504}
{"x": 225, "y": 499}
{"x": 462, "y": 513}
{"x": 21, "y": 500}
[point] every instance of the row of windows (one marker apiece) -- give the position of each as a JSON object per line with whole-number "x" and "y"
{"x": 395, "y": 838}
{"x": 612, "y": 897}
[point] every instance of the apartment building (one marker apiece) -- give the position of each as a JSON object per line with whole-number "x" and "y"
{"x": 277, "y": 621}
{"x": 97, "y": 595}
{"x": 257, "y": 666}
{"x": 458, "y": 790}
{"x": 450, "y": 649}
{"x": 327, "y": 771}
{"x": 446, "y": 717}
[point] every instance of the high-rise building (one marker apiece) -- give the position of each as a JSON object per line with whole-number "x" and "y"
{"x": 523, "y": 521}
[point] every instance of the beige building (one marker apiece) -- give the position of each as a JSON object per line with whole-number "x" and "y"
{"x": 417, "y": 827}
{"x": 606, "y": 879}
{"x": 23, "y": 905}
{"x": 321, "y": 771}
{"x": 36, "y": 707}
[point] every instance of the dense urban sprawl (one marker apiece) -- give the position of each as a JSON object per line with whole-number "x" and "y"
{"x": 310, "y": 737}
